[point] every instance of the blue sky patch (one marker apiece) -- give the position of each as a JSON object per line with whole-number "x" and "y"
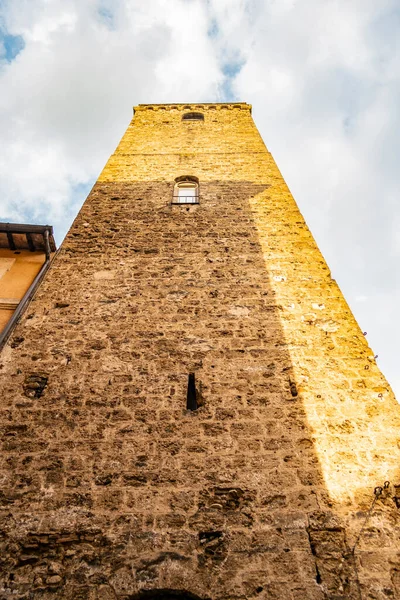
{"x": 13, "y": 45}
{"x": 106, "y": 14}
{"x": 213, "y": 30}
{"x": 39, "y": 212}
{"x": 230, "y": 70}
{"x": 78, "y": 194}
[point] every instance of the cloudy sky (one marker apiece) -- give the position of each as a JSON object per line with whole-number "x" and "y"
{"x": 324, "y": 80}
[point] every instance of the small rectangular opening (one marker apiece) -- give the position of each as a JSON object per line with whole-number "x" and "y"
{"x": 191, "y": 398}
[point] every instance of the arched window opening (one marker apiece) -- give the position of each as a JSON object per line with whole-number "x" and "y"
{"x": 193, "y": 116}
{"x": 186, "y": 191}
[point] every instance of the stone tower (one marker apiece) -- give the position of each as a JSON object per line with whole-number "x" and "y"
{"x": 189, "y": 409}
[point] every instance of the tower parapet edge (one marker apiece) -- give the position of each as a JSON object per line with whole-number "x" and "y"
{"x": 199, "y": 106}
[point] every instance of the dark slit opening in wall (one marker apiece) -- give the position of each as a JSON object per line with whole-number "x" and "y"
{"x": 191, "y": 399}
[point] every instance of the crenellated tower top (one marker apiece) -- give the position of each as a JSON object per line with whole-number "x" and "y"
{"x": 204, "y": 106}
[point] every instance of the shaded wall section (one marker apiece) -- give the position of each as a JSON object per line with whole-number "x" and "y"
{"x": 164, "y": 497}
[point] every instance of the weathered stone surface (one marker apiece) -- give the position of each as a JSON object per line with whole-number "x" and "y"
{"x": 110, "y": 487}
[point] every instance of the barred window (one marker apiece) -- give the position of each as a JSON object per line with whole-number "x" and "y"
{"x": 186, "y": 192}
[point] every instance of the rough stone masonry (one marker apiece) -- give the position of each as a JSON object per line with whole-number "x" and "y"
{"x": 274, "y": 487}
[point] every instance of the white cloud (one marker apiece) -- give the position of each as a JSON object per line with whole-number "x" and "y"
{"x": 323, "y": 78}
{"x": 69, "y": 94}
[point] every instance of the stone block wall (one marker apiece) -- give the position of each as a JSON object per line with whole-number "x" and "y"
{"x": 111, "y": 488}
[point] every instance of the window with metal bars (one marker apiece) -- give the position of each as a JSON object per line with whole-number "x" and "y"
{"x": 186, "y": 192}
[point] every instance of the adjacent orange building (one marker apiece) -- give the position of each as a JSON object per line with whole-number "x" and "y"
{"x": 25, "y": 252}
